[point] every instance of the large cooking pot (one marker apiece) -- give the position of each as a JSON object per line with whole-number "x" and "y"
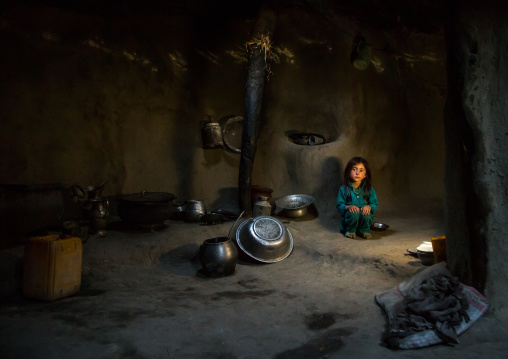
{"x": 146, "y": 208}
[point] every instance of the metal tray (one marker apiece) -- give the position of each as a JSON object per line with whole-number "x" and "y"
{"x": 232, "y": 132}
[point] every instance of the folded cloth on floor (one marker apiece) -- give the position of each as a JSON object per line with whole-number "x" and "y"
{"x": 433, "y": 307}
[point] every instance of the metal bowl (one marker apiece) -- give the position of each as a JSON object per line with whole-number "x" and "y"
{"x": 427, "y": 258}
{"x": 376, "y": 226}
{"x": 264, "y": 239}
{"x": 295, "y": 205}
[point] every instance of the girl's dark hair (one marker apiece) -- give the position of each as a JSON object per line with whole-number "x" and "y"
{"x": 368, "y": 178}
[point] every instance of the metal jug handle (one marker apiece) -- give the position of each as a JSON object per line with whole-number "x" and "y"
{"x": 78, "y": 191}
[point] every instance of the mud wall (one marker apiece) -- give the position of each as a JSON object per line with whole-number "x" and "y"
{"x": 391, "y": 114}
{"x": 122, "y": 95}
{"x": 477, "y": 147}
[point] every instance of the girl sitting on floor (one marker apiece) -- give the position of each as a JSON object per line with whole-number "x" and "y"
{"x": 357, "y": 200}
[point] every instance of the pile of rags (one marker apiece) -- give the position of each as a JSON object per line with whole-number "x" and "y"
{"x": 432, "y": 307}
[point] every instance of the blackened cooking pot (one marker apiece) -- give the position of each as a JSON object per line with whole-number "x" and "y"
{"x": 146, "y": 208}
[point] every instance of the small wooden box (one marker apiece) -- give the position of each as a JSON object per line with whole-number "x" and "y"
{"x": 52, "y": 267}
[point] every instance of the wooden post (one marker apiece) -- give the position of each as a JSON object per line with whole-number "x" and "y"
{"x": 253, "y": 102}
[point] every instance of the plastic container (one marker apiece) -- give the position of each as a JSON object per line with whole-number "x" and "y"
{"x": 439, "y": 248}
{"x": 52, "y": 267}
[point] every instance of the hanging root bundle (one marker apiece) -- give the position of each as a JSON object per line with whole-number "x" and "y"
{"x": 263, "y": 43}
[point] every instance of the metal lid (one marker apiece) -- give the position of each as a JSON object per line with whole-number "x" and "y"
{"x": 145, "y": 196}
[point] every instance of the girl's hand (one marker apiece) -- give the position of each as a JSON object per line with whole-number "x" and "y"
{"x": 366, "y": 210}
{"x": 353, "y": 209}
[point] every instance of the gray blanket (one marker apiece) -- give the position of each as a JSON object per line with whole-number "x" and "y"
{"x": 432, "y": 307}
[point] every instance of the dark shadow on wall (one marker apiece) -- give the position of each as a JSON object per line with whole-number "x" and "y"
{"x": 226, "y": 200}
{"x": 182, "y": 137}
{"x": 206, "y": 71}
{"x": 186, "y": 128}
{"x": 331, "y": 177}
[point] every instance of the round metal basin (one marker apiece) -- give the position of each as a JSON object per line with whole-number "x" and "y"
{"x": 264, "y": 239}
{"x": 295, "y": 205}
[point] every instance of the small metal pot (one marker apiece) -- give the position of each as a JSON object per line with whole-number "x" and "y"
{"x": 218, "y": 256}
{"x": 194, "y": 210}
{"x": 212, "y": 135}
{"x": 178, "y": 212}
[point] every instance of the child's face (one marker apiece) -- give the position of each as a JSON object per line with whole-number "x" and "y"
{"x": 358, "y": 173}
